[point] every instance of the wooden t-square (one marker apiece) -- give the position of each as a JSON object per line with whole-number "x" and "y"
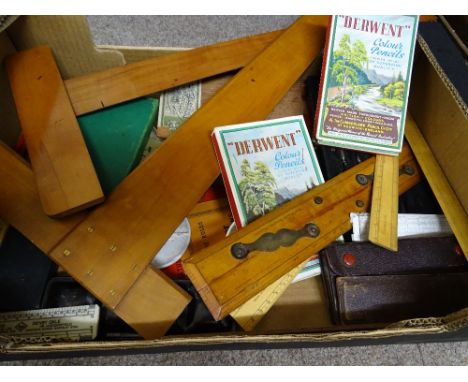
{"x": 47, "y": 106}
{"x": 109, "y": 250}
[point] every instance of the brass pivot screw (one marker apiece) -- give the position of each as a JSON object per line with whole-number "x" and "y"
{"x": 359, "y": 203}
{"x": 312, "y": 230}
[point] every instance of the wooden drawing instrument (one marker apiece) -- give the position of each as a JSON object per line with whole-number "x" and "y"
{"x": 151, "y": 304}
{"x": 229, "y": 273}
{"x": 143, "y": 211}
{"x": 112, "y": 86}
{"x": 65, "y": 176}
{"x": 450, "y": 204}
{"x": 383, "y": 225}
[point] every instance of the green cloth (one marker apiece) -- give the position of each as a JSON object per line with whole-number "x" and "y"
{"x": 116, "y": 137}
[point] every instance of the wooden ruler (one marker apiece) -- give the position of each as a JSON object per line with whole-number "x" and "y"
{"x": 103, "y": 89}
{"x": 118, "y": 239}
{"x": 383, "y": 226}
{"x": 65, "y": 175}
{"x": 231, "y": 272}
{"x": 451, "y": 206}
{"x": 249, "y": 314}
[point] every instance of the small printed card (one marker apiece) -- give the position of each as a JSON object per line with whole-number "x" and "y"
{"x": 365, "y": 82}
{"x": 265, "y": 164}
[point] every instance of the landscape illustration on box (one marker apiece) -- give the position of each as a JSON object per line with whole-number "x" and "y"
{"x": 368, "y": 77}
{"x": 355, "y": 85}
{"x": 270, "y": 164}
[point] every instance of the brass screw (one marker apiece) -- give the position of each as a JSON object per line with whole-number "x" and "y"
{"x": 112, "y": 292}
{"x": 113, "y": 247}
{"x": 66, "y": 252}
{"x": 90, "y": 273}
{"x": 359, "y": 203}
{"x": 312, "y": 230}
{"x": 362, "y": 179}
{"x": 91, "y": 229}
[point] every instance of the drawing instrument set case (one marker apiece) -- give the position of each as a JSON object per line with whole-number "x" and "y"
{"x": 300, "y": 318}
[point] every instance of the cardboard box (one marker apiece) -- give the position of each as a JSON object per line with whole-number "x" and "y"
{"x": 300, "y": 317}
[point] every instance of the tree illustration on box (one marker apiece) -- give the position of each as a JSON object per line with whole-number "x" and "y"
{"x": 257, "y": 188}
{"x": 347, "y": 60}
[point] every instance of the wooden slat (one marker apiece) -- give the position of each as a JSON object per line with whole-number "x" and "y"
{"x": 20, "y": 205}
{"x": 383, "y": 225}
{"x": 150, "y": 203}
{"x": 102, "y": 89}
{"x": 152, "y": 304}
{"x": 109, "y": 87}
{"x": 63, "y": 170}
{"x": 451, "y": 206}
{"x": 225, "y": 282}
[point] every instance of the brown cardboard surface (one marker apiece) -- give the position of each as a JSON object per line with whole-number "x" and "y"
{"x": 70, "y": 40}
{"x": 442, "y": 117}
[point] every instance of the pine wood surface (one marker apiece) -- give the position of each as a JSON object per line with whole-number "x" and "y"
{"x": 103, "y": 89}
{"x": 383, "y": 225}
{"x": 64, "y": 173}
{"x": 150, "y": 203}
{"x": 20, "y": 205}
{"x": 150, "y": 306}
{"x": 225, "y": 282}
{"x": 450, "y": 204}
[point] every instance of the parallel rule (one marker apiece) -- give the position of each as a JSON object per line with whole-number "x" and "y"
{"x": 226, "y": 278}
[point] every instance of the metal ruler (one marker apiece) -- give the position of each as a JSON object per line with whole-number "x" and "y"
{"x": 249, "y": 314}
{"x": 72, "y": 323}
{"x": 383, "y": 229}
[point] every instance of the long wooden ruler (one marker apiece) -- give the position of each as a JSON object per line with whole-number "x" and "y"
{"x": 118, "y": 239}
{"x": 98, "y": 90}
{"x": 231, "y": 272}
{"x": 451, "y": 206}
{"x": 383, "y": 225}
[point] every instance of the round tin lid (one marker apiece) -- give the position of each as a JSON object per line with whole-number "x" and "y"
{"x": 174, "y": 247}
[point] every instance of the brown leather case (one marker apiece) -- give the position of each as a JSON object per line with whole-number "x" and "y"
{"x": 367, "y": 284}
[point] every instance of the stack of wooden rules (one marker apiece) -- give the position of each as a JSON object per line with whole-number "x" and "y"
{"x": 108, "y": 249}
